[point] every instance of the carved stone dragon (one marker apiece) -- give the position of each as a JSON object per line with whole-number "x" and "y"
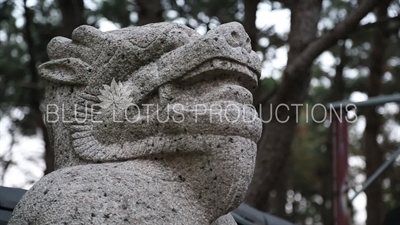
{"x": 150, "y": 125}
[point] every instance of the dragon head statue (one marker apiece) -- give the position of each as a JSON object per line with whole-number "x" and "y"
{"x": 159, "y": 104}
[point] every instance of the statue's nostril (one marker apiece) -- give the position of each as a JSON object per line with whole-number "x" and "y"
{"x": 234, "y": 34}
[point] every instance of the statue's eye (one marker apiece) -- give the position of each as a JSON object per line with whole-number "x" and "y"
{"x": 177, "y": 38}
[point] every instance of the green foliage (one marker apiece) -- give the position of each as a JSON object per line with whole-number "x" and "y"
{"x": 207, "y": 12}
{"x": 118, "y": 11}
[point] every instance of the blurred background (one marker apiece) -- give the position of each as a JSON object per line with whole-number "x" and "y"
{"x": 312, "y": 52}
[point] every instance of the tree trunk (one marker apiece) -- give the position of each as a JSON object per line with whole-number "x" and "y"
{"x": 373, "y": 153}
{"x": 277, "y": 203}
{"x": 274, "y": 145}
{"x": 250, "y": 11}
{"x": 150, "y": 11}
{"x": 72, "y": 15}
{"x": 337, "y": 93}
{"x": 35, "y": 95}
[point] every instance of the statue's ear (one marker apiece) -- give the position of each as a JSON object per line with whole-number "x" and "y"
{"x": 68, "y": 71}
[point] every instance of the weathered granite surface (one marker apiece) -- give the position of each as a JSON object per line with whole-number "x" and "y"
{"x": 150, "y": 125}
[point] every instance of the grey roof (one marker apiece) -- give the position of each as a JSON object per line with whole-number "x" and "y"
{"x": 247, "y": 215}
{"x": 9, "y": 198}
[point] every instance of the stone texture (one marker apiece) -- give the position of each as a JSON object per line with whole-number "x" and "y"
{"x": 150, "y": 125}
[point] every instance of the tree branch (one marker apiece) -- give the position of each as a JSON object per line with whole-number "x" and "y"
{"x": 378, "y": 23}
{"x": 327, "y": 40}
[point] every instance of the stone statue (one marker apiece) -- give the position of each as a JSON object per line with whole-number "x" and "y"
{"x": 150, "y": 125}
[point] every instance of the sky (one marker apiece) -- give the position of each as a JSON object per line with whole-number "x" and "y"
{"x": 30, "y": 166}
